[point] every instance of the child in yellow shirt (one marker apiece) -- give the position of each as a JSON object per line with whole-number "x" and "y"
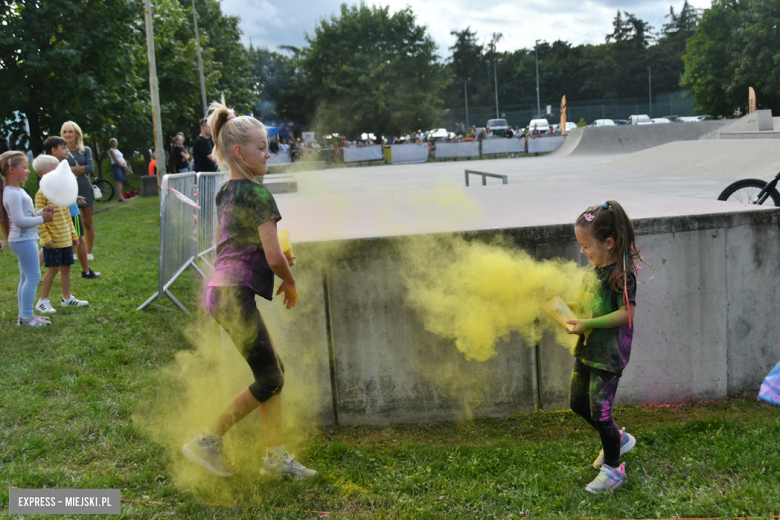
{"x": 57, "y": 238}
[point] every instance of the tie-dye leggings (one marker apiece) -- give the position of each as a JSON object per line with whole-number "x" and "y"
{"x": 235, "y": 310}
{"x": 592, "y": 395}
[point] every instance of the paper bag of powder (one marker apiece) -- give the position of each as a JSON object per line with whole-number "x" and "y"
{"x": 284, "y": 242}
{"x": 560, "y": 312}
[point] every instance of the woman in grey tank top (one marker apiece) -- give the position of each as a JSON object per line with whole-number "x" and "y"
{"x": 82, "y": 165}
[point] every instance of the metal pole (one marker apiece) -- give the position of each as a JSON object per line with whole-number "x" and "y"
{"x": 538, "y": 103}
{"x": 159, "y": 152}
{"x": 200, "y": 62}
{"x": 466, "y": 96}
{"x": 495, "y": 79}
{"x": 650, "y": 90}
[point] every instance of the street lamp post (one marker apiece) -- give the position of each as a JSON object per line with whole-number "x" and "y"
{"x": 200, "y": 61}
{"x": 495, "y": 80}
{"x": 466, "y": 97}
{"x": 538, "y": 102}
{"x": 650, "y": 90}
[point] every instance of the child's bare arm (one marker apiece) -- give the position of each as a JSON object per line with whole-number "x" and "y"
{"x": 608, "y": 321}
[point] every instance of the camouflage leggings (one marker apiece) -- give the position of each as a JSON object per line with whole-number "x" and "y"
{"x": 592, "y": 395}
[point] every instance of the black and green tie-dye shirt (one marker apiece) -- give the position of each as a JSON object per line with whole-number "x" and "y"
{"x": 605, "y": 349}
{"x": 242, "y": 206}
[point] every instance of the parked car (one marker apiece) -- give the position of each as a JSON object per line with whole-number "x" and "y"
{"x": 440, "y": 134}
{"x": 661, "y": 121}
{"x": 620, "y": 122}
{"x": 692, "y": 119}
{"x": 541, "y": 124}
{"x": 639, "y": 119}
{"x": 569, "y": 127}
{"x": 603, "y": 122}
{"x": 498, "y": 127}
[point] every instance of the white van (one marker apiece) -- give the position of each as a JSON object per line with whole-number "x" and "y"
{"x": 603, "y": 122}
{"x": 541, "y": 124}
{"x": 641, "y": 119}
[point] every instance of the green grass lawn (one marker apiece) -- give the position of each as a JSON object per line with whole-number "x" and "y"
{"x": 70, "y": 395}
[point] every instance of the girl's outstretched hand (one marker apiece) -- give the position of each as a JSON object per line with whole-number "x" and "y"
{"x": 580, "y": 326}
{"x": 290, "y": 294}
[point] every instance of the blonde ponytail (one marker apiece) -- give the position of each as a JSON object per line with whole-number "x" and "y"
{"x": 229, "y": 130}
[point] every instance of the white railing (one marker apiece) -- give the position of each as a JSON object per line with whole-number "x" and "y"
{"x": 503, "y": 145}
{"x": 545, "y": 143}
{"x": 178, "y": 233}
{"x": 208, "y": 184}
{"x": 363, "y": 153}
{"x": 455, "y": 150}
{"x": 408, "y": 153}
{"x": 281, "y": 157}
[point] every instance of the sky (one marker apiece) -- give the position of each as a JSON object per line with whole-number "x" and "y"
{"x": 520, "y": 21}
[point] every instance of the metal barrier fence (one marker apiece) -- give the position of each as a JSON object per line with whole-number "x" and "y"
{"x": 409, "y": 153}
{"x": 455, "y": 150}
{"x": 545, "y": 143}
{"x": 178, "y": 233}
{"x": 281, "y": 157}
{"x": 499, "y": 145}
{"x": 363, "y": 153}
{"x": 208, "y": 184}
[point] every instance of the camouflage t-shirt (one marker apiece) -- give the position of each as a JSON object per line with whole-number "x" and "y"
{"x": 605, "y": 349}
{"x": 242, "y": 206}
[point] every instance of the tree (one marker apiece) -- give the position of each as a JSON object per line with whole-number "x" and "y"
{"x": 69, "y": 59}
{"x": 279, "y": 82}
{"x": 369, "y": 71}
{"x": 735, "y": 46}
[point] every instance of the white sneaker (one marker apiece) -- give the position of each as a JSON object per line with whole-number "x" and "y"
{"x": 45, "y": 307}
{"x": 90, "y": 256}
{"x": 74, "y": 302}
{"x": 209, "y": 455}
{"x": 286, "y": 468}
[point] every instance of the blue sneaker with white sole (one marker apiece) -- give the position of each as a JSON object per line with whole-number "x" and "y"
{"x": 608, "y": 479}
{"x": 627, "y": 443}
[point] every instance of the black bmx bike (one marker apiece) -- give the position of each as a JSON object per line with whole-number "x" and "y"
{"x": 107, "y": 189}
{"x": 752, "y": 191}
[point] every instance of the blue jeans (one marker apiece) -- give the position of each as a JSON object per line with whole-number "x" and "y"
{"x": 30, "y": 274}
{"x": 184, "y": 170}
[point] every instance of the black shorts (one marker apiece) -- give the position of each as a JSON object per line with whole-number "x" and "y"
{"x": 79, "y": 225}
{"x": 235, "y": 309}
{"x": 58, "y": 256}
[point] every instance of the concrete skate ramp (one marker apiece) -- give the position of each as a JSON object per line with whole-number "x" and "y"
{"x": 610, "y": 140}
{"x": 725, "y": 159}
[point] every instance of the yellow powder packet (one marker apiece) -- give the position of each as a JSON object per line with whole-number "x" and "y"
{"x": 560, "y": 312}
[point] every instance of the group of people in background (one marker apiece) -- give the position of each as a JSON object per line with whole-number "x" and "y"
{"x": 59, "y": 231}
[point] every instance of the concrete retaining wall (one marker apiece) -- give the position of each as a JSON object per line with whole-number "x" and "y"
{"x": 705, "y": 327}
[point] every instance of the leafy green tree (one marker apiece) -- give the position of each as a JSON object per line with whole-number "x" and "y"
{"x": 368, "y": 70}
{"x": 280, "y": 83}
{"x": 70, "y": 59}
{"x": 735, "y": 46}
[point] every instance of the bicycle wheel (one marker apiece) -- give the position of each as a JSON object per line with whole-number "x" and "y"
{"x": 107, "y": 188}
{"x": 746, "y": 190}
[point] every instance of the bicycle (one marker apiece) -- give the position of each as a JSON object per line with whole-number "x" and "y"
{"x": 752, "y": 191}
{"x": 106, "y": 187}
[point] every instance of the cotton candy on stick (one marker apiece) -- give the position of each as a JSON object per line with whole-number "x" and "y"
{"x": 60, "y": 186}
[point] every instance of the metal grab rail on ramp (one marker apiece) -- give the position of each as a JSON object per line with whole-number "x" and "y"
{"x": 208, "y": 184}
{"x": 178, "y": 233}
{"x": 485, "y": 176}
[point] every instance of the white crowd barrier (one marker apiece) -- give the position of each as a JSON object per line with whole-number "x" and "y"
{"x": 503, "y": 145}
{"x": 208, "y": 184}
{"x": 281, "y": 157}
{"x": 364, "y": 153}
{"x": 408, "y": 153}
{"x": 545, "y": 143}
{"x": 178, "y": 233}
{"x": 455, "y": 150}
